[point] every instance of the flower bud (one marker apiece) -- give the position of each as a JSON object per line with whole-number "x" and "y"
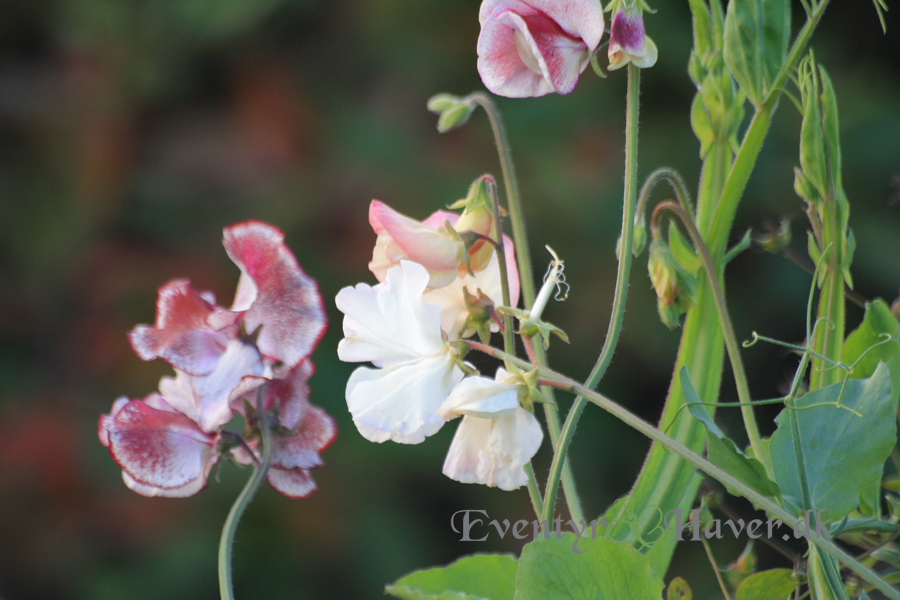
{"x": 454, "y": 111}
{"x": 627, "y": 41}
{"x": 743, "y": 567}
{"x": 775, "y": 240}
{"x": 663, "y": 273}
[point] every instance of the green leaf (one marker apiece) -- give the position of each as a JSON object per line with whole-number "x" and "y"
{"x": 775, "y": 584}
{"x": 476, "y": 577}
{"x": 679, "y": 590}
{"x": 876, "y": 339}
{"x": 601, "y": 570}
{"x": 756, "y": 41}
{"x": 722, "y": 452}
{"x": 842, "y": 452}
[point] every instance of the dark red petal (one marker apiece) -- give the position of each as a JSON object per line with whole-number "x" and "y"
{"x": 157, "y": 447}
{"x": 181, "y": 335}
{"x": 287, "y": 302}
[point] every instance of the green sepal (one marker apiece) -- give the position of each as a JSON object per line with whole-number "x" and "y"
{"x": 739, "y": 247}
{"x": 682, "y": 251}
{"x": 700, "y": 123}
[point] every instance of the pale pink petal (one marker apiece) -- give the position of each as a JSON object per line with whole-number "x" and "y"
{"x": 452, "y": 300}
{"x": 286, "y": 301}
{"x": 160, "y": 449}
{"x": 439, "y": 253}
{"x": 181, "y": 335}
{"x": 207, "y": 399}
{"x": 401, "y": 404}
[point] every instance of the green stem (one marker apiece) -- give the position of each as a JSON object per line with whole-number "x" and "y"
{"x": 702, "y": 464}
{"x": 753, "y": 141}
{"x": 678, "y": 185}
{"x": 618, "y": 311}
{"x": 226, "y": 542}
{"x": 534, "y": 492}
{"x": 731, "y": 343}
{"x": 513, "y": 199}
{"x": 509, "y": 342}
{"x": 526, "y": 277}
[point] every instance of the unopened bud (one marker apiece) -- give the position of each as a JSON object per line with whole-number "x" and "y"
{"x": 775, "y": 240}
{"x": 453, "y": 111}
{"x": 663, "y": 273}
{"x": 743, "y": 567}
{"x": 804, "y": 187}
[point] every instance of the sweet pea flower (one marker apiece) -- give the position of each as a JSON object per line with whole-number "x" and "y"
{"x": 627, "y": 41}
{"x": 167, "y": 442}
{"x": 391, "y": 326}
{"x": 161, "y": 451}
{"x": 535, "y": 47}
{"x": 496, "y": 438}
{"x": 449, "y": 295}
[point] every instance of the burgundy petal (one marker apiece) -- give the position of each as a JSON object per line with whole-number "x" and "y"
{"x": 160, "y": 449}
{"x": 275, "y": 292}
{"x": 181, "y": 335}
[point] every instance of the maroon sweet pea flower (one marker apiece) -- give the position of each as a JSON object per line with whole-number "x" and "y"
{"x": 167, "y": 443}
{"x": 627, "y": 41}
{"x": 536, "y": 47}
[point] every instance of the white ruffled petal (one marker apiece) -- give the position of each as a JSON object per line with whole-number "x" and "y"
{"x": 401, "y": 404}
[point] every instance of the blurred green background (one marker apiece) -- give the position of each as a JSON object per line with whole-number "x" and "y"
{"x": 132, "y": 132}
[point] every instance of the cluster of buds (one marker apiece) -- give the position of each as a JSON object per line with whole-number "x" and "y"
{"x": 167, "y": 443}
{"x": 440, "y": 282}
{"x": 530, "y": 48}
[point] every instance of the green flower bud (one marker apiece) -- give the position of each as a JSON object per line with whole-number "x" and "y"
{"x": 454, "y": 112}
{"x": 775, "y": 240}
{"x": 804, "y": 187}
{"x": 669, "y": 315}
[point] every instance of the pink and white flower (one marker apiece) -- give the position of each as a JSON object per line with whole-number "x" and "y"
{"x": 536, "y": 47}
{"x": 496, "y": 438}
{"x": 627, "y": 40}
{"x": 391, "y": 326}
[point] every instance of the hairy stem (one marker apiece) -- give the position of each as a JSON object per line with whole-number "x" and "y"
{"x": 621, "y": 294}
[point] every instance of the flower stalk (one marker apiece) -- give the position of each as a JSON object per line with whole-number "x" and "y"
{"x": 226, "y": 542}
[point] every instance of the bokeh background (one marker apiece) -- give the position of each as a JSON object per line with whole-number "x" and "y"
{"x": 132, "y": 132}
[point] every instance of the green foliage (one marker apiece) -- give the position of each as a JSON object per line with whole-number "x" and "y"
{"x": 602, "y": 570}
{"x": 757, "y": 33}
{"x": 877, "y": 339}
{"x": 722, "y": 451}
{"x": 476, "y": 577}
{"x": 843, "y": 450}
{"x": 775, "y": 584}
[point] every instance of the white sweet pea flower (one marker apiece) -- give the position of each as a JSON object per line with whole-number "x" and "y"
{"x": 496, "y": 437}
{"x": 393, "y": 328}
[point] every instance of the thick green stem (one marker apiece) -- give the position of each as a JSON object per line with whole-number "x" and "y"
{"x": 632, "y": 104}
{"x": 717, "y": 473}
{"x": 753, "y": 141}
{"x": 731, "y": 343}
{"x": 526, "y": 277}
{"x": 226, "y": 542}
